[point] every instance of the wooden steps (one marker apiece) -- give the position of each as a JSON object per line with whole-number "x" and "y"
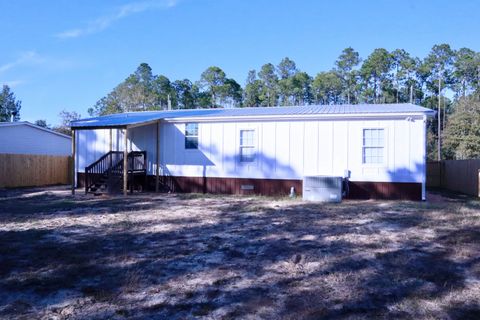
{"x": 106, "y": 174}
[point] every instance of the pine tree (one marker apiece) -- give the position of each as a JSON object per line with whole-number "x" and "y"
{"x": 9, "y": 105}
{"x": 462, "y": 133}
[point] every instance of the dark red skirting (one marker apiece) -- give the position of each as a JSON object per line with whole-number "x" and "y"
{"x": 281, "y": 187}
{"x": 385, "y": 190}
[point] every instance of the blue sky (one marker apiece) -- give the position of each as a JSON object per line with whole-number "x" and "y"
{"x": 67, "y": 54}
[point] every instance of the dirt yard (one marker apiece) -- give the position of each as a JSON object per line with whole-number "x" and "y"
{"x": 222, "y": 257}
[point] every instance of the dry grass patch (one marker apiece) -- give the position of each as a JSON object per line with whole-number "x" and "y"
{"x": 226, "y": 257}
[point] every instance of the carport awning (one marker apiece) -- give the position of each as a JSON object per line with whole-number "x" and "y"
{"x": 122, "y": 120}
{"x": 132, "y": 119}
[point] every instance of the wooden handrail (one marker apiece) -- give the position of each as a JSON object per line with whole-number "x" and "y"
{"x": 112, "y": 163}
{"x": 103, "y": 158}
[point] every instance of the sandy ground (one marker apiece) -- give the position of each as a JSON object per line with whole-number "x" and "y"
{"x": 155, "y": 256}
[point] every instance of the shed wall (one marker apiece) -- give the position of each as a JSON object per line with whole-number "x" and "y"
{"x": 24, "y": 139}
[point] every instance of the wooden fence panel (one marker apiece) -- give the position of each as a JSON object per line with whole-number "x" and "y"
{"x": 462, "y": 175}
{"x": 23, "y": 170}
{"x": 455, "y": 175}
{"x": 434, "y": 174}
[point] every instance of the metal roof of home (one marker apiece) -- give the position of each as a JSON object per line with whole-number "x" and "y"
{"x": 136, "y": 118}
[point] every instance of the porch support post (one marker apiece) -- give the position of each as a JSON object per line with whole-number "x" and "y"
{"x": 73, "y": 161}
{"x": 157, "y": 150}
{"x": 110, "y": 149}
{"x": 125, "y": 162}
{"x": 111, "y": 140}
{"x": 424, "y": 171}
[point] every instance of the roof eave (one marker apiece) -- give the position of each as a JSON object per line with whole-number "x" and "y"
{"x": 300, "y": 117}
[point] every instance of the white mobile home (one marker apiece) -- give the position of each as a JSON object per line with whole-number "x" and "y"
{"x": 380, "y": 148}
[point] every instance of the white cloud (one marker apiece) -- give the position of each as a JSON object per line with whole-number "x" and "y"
{"x": 25, "y": 58}
{"x": 7, "y": 66}
{"x": 124, "y": 11}
{"x": 29, "y": 62}
{"x": 29, "y": 57}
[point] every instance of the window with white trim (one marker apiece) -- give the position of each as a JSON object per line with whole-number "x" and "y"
{"x": 247, "y": 145}
{"x": 373, "y": 146}
{"x": 191, "y": 136}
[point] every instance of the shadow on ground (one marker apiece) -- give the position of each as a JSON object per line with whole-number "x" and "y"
{"x": 193, "y": 256}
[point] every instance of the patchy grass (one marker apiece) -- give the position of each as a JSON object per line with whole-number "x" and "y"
{"x": 226, "y": 257}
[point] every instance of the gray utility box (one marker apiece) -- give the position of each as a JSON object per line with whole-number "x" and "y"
{"x": 322, "y": 188}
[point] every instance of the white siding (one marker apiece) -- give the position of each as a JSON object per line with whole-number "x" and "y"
{"x": 25, "y": 139}
{"x": 92, "y": 144}
{"x": 285, "y": 149}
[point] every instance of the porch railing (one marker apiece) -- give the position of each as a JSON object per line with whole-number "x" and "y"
{"x": 111, "y": 165}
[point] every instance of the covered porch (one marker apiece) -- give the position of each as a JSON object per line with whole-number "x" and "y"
{"x": 124, "y": 166}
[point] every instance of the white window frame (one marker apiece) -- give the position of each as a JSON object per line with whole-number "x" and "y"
{"x": 383, "y": 147}
{"x": 253, "y": 145}
{"x": 191, "y": 136}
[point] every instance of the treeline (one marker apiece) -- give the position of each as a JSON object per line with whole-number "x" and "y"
{"x": 381, "y": 77}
